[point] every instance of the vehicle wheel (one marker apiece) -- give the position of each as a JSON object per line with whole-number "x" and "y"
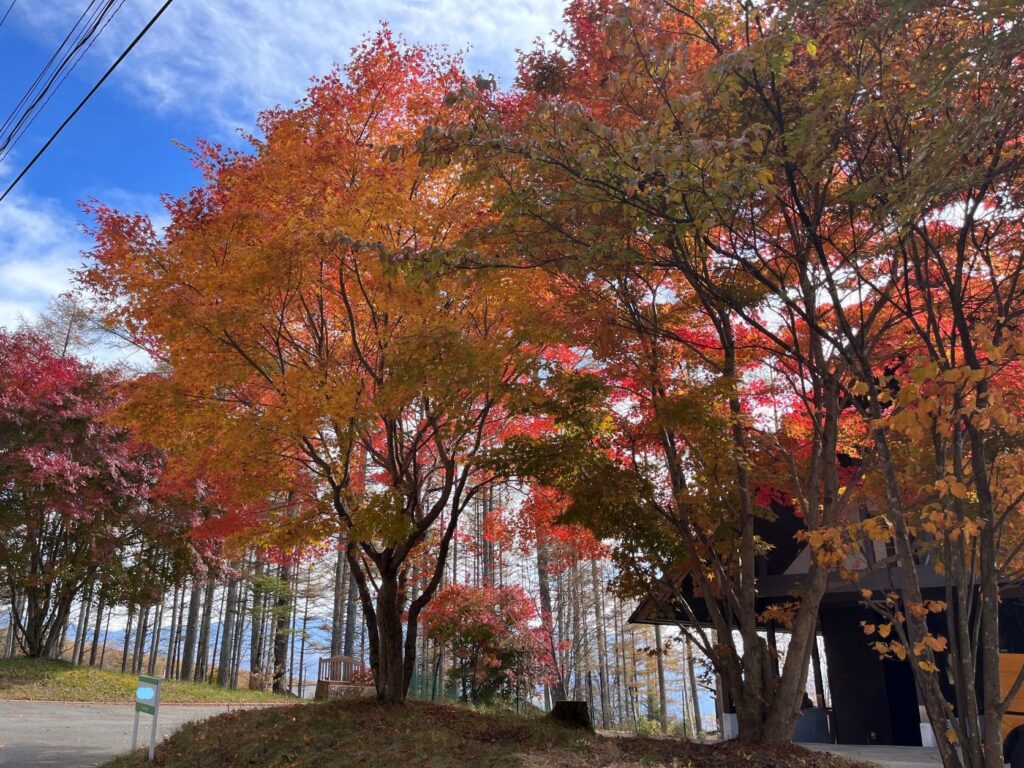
{"x": 1017, "y": 754}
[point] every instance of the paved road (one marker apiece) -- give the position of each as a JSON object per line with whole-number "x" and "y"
{"x": 43, "y": 735}
{"x": 887, "y": 757}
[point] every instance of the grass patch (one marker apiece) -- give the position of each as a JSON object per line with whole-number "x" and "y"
{"x": 44, "y": 680}
{"x": 365, "y": 734}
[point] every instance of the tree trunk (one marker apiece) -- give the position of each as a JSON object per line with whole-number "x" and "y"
{"x": 341, "y": 582}
{"x": 106, "y": 634}
{"x": 303, "y": 636}
{"x": 127, "y": 638}
{"x": 547, "y": 614}
{"x": 228, "y": 633}
{"x": 154, "y": 643}
{"x": 602, "y": 642}
{"x": 188, "y": 654}
{"x": 350, "y": 615}
{"x": 139, "y": 651}
{"x": 698, "y": 726}
{"x": 662, "y": 699}
{"x": 172, "y": 632}
{"x": 256, "y": 681}
{"x": 390, "y": 670}
{"x": 96, "y": 631}
{"x": 282, "y": 607}
{"x": 82, "y": 626}
{"x": 203, "y": 651}
{"x": 236, "y": 657}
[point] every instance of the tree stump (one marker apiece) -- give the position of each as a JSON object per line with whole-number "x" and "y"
{"x": 572, "y": 714}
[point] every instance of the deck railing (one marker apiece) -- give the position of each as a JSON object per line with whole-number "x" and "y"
{"x": 339, "y": 669}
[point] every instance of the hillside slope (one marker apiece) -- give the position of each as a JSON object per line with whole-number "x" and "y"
{"x": 364, "y": 734}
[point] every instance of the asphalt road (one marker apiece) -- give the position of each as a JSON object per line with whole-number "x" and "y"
{"x": 37, "y": 734}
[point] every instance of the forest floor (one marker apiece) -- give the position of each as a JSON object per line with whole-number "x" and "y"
{"x": 364, "y": 734}
{"x": 42, "y": 680}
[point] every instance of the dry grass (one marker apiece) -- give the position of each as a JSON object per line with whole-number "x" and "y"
{"x": 421, "y": 735}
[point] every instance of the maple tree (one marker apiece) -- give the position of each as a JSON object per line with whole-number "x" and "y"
{"x": 315, "y": 350}
{"x": 597, "y": 161}
{"x": 75, "y": 493}
{"x": 949, "y": 264}
{"x": 735, "y": 196}
{"x": 496, "y": 650}
{"x": 709, "y": 271}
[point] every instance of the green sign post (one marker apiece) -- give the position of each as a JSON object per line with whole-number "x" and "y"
{"x": 147, "y": 699}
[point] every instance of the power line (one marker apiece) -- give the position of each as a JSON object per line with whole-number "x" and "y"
{"x": 8, "y": 12}
{"x": 82, "y": 46}
{"x": 46, "y": 67}
{"x": 82, "y": 103}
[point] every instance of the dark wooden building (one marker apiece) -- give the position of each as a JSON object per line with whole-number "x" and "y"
{"x": 871, "y": 700}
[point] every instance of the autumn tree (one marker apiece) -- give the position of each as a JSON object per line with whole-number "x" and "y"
{"x": 937, "y": 162}
{"x": 619, "y": 175}
{"x": 496, "y": 651}
{"x": 75, "y": 505}
{"x": 764, "y": 196}
{"x": 312, "y": 341}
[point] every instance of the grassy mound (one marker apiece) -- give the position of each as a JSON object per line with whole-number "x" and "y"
{"x": 364, "y": 734}
{"x": 42, "y": 680}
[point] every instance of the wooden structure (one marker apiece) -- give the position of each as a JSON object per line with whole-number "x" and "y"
{"x": 337, "y": 675}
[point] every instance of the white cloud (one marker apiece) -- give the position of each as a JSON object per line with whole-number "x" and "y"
{"x": 227, "y": 59}
{"x": 39, "y": 244}
{"x": 222, "y": 61}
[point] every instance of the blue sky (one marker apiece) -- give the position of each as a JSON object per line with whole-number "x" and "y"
{"x": 204, "y": 70}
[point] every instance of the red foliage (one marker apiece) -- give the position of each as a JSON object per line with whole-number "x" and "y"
{"x": 489, "y": 631}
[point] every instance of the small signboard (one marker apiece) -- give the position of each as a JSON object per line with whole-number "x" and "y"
{"x": 147, "y": 699}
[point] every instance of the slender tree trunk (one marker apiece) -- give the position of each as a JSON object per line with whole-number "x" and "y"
{"x": 139, "y": 652}
{"x": 96, "y": 631}
{"x": 302, "y": 638}
{"x": 236, "y": 644}
{"x": 256, "y": 681}
{"x": 172, "y": 631}
{"x": 691, "y": 673}
{"x": 228, "y": 633}
{"x": 281, "y": 616}
{"x": 293, "y": 620}
{"x": 341, "y": 590}
{"x": 348, "y": 648}
{"x": 188, "y": 654}
{"x": 82, "y": 625}
{"x": 106, "y": 634}
{"x": 127, "y": 638}
{"x": 662, "y": 698}
{"x": 154, "y": 643}
{"x": 558, "y": 691}
{"x": 9, "y": 638}
{"x": 602, "y": 642}
{"x": 203, "y": 650}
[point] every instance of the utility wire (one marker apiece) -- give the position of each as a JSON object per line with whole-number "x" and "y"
{"x": 26, "y": 120}
{"x": 8, "y": 12}
{"x": 82, "y": 103}
{"x": 46, "y": 68}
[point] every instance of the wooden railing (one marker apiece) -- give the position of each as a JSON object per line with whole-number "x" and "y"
{"x": 338, "y": 674}
{"x": 339, "y": 669}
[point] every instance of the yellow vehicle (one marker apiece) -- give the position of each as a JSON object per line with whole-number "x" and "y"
{"x": 1013, "y": 721}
